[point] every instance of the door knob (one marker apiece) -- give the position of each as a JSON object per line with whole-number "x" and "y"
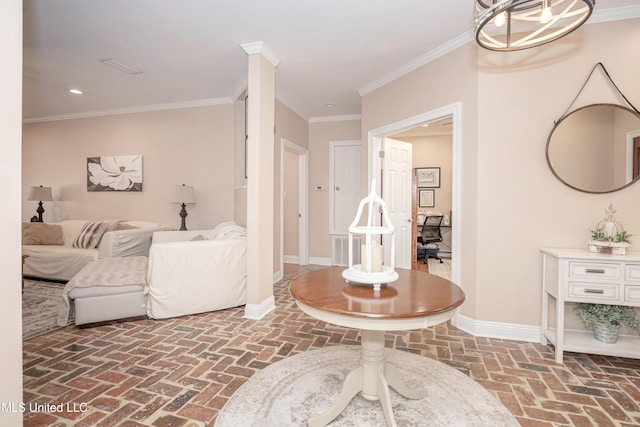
{"x": 337, "y": 188}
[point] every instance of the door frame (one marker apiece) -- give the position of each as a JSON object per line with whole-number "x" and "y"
{"x": 375, "y": 141}
{"x": 303, "y": 201}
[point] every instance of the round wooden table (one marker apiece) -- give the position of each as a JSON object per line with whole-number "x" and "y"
{"x": 416, "y": 300}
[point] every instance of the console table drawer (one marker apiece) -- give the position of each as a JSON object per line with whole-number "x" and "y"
{"x": 633, "y": 272}
{"x": 594, "y": 292}
{"x": 591, "y": 270}
{"x": 632, "y": 294}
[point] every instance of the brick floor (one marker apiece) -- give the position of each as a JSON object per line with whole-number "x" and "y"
{"x": 181, "y": 372}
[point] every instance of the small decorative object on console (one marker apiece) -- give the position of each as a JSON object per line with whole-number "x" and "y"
{"x": 609, "y": 236}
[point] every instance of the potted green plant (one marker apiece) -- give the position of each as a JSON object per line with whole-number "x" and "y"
{"x": 607, "y": 319}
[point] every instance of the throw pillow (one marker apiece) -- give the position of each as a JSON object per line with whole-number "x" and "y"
{"x": 39, "y": 233}
{"x": 91, "y": 234}
{"x": 198, "y": 237}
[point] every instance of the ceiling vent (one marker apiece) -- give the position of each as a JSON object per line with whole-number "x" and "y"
{"x": 119, "y": 65}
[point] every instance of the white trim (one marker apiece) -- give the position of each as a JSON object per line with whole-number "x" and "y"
{"x": 320, "y": 261}
{"x": 420, "y": 61}
{"x": 303, "y": 201}
{"x": 278, "y": 275}
{"x": 332, "y": 148}
{"x": 454, "y": 111}
{"x": 129, "y": 110}
{"x": 262, "y": 49}
{"x": 629, "y": 165}
{"x": 258, "y": 311}
{"x": 614, "y": 14}
{"x": 344, "y": 118}
{"x": 291, "y": 259}
{"x": 506, "y": 331}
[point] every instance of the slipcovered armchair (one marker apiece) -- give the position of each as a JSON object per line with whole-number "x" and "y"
{"x": 197, "y": 271}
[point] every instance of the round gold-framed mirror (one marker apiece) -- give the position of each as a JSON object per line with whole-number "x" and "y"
{"x": 596, "y": 148}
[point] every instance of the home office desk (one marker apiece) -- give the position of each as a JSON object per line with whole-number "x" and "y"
{"x": 416, "y": 300}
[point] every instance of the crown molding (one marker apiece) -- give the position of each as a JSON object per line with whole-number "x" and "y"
{"x": 598, "y": 16}
{"x": 428, "y": 57}
{"x": 129, "y": 110}
{"x": 263, "y": 49}
{"x": 614, "y": 14}
{"x": 343, "y": 118}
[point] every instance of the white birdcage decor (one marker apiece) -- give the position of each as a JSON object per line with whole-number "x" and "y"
{"x": 609, "y": 235}
{"x": 371, "y": 269}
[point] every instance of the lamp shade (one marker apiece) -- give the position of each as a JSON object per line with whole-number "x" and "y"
{"x": 40, "y": 194}
{"x": 183, "y": 194}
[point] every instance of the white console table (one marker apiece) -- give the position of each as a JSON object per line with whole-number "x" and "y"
{"x": 577, "y": 275}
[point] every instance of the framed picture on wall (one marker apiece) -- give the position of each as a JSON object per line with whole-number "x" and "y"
{"x": 114, "y": 173}
{"x": 427, "y": 198}
{"x": 428, "y": 177}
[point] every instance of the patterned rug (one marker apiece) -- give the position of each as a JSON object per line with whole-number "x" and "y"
{"x": 290, "y": 391}
{"x": 40, "y": 302}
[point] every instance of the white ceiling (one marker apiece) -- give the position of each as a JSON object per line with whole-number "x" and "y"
{"x": 330, "y": 51}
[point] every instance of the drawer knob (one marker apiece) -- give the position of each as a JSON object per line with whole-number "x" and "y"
{"x": 595, "y": 270}
{"x": 594, "y": 291}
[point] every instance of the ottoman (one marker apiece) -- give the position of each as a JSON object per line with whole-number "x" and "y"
{"x": 106, "y": 289}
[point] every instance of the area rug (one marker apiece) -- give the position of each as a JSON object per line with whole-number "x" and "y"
{"x": 442, "y": 269}
{"x": 40, "y": 302}
{"x": 289, "y": 392}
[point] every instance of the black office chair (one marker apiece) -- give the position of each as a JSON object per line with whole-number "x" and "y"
{"x": 430, "y": 235}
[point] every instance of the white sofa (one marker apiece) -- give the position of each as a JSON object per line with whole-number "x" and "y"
{"x": 63, "y": 261}
{"x": 193, "y": 272}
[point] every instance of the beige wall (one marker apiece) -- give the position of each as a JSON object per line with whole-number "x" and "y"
{"x": 320, "y": 135}
{"x": 521, "y": 205}
{"x": 511, "y": 204}
{"x": 434, "y": 151}
{"x": 10, "y": 178}
{"x": 191, "y": 146}
{"x": 293, "y": 128}
{"x": 447, "y": 80}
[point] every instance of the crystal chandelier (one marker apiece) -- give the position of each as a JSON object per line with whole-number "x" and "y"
{"x": 506, "y": 25}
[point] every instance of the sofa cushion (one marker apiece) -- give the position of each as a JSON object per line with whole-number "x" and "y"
{"x": 39, "y": 233}
{"x": 91, "y": 233}
{"x": 122, "y": 225}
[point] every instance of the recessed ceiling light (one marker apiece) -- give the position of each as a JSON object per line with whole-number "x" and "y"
{"x": 329, "y": 105}
{"x": 75, "y": 91}
{"x": 119, "y": 65}
{"x": 426, "y": 125}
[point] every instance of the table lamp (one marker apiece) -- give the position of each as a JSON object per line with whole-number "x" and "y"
{"x": 40, "y": 194}
{"x": 183, "y": 194}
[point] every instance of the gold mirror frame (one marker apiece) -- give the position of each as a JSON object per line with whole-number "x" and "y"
{"x": 571, "y": 142}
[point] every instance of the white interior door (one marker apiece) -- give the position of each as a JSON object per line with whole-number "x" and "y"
{"x": 345, "y": 185}
{"x": 396, "y": 192}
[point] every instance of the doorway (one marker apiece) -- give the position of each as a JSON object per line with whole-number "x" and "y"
{"x": 293, "y": 204}
{"x": 375, "y": 145}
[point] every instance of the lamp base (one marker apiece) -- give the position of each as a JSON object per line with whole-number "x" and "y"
{"x": 183, "y": 215}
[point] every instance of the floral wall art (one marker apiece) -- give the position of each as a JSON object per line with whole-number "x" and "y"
{"x": 114, "y": 173}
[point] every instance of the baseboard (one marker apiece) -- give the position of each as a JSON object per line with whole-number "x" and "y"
{"x": 506, "y": 331}
{"x": 258, "y": 311}
{"x": 291, "y": 259}
{"x": 320, "y": 261}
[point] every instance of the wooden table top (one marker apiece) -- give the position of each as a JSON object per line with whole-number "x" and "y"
{"x": 414, "y": 294}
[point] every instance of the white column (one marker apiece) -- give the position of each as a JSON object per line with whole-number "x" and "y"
{"x": 10, "y": 215}
{"x": 260, "y": 170}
